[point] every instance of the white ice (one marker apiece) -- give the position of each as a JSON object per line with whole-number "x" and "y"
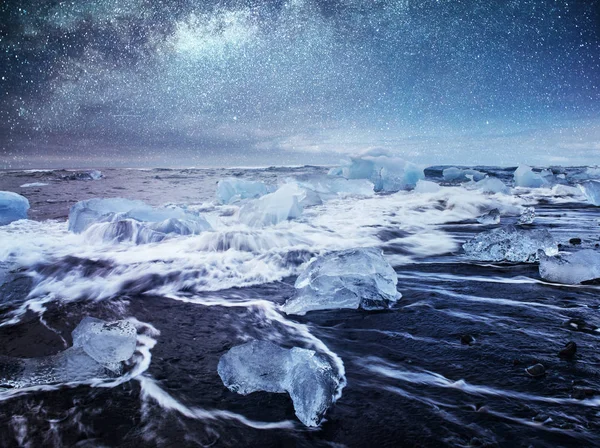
{"x": 273, "y": 208}
{"x": 571, "y": 269}
{"x": 351, "y": 278}
{"x": 454, "y": 174}
{"x": 426, "y": 186}
{"x": 525, "y": 177}
{"x": 491, "y": 185}
{"x": 306, "y": 376}
{"x": 591, "y": 190}
{"x": 231, "y": 190}
{"x": 13, "y": 207}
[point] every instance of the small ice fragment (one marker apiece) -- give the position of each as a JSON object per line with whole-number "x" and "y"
{"x": 571, "y": 269}
{"x": 34, "y": 184}
{"x": 284, "y": 204}
{"x": 591, "y": 190}
{"x": 510, "y": 244}
{"x": 492, "y": 185}
{"x": 13, "y": 206}
{"x": 350, "y": 278}
{"x": 106, "y": 342}
{"x": 525, "y": 177}
{"x": 306, "y": 376}
{"x": 454, "y": 174}
{"x": 426, "y": 186}
{"x": 527, "y": 216}
{"x": 232, "y": 190}
{"x": 489, "y": 218}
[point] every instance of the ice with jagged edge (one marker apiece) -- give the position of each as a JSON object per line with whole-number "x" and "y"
{"x": 591, "y": 190}
{"x": 284, "y": 204}
{"x": 387, "y": 172}
{"x": 454, "y": 174}
{"x": 231, "y": 190}
{"x": 571, "y": 269}
{"x": 305, "y": 375}
{"x": 527, "y": 216}
{"x": 120, "y": 220}
{"x": 510, "y": 244}
{"x": 13, "y": 207}
{"x": 525, "y": 177}
{"x": 98, "y": 351}
{"x": 352, "y": 278}
{"x": 490, "y": 218}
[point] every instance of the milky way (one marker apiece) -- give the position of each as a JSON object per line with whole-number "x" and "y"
{"x": 141, "y": 83}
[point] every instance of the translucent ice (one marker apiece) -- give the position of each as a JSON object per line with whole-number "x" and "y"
{"x": 489, "y": 218}
{"x": 119, "y": 219}
{"x": 330, "y": 187}
{"x": 282, "y": 205}
{"x": 350, "y": 278}
{"x": 591, "y": 190}
{"x": 106, "y": 342}
{"x": 232, "y": 190}
{"x": 527, "y": 216}
{"x": 387, "y": 172}
{"x": 510, "y": 244}
{"x": 571, "y": 269}
{"x": 491, "y": 185}
{"x": 525, "y": 177}
{"x": 13, "y": 206}
{"x": 306, "y": 376}
{"x": 454, "y": 174}
{"x": 98, "y": 350}
{"x": 426, "y": 186}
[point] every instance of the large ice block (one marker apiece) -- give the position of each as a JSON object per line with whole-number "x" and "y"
{"x": 282, "y": 205}
{"x": 350, "y": 278}
{"x": 525, "y": 177}
{"x": 232, "y": 190}
{"x": 591, "y": 190}
{"x": 571, "y": 269}
{"x": 510, "y": 244}
{"x": 13, "y": 206}
{"x": 306, "y": 376}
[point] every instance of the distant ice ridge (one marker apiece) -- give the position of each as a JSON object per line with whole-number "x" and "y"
{"x": 525, "y": 177}
{"x": 13, "y": 207}
{"x": 591, "y": 190}
{"x": 350, "y": 278}
{"x": 84, "y": 175}
{"x": 510, "y": 244}
{"x": 98, "y": 350}
{"x": 571, "y": 269}
{"x": 119, "y": 220}
{"x": 454, "y": 174}
{"x": 387, "y": 172}
{"x": 233, "y": 190}
{"x": 305, "y": 375}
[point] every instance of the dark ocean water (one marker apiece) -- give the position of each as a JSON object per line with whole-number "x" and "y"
{"x": 411, "y": 381}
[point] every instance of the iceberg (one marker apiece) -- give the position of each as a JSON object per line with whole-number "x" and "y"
{"x": 510, "y": 244}
{"x": 591, "y": 190}
{"x": 426, "y": 186}
{"x": 306, "y": 376}
{"x": 454, "y": 174}
{"x": 491, "y": 185}
{"x": 119, "y": 220}
{"x": 489, "y": 218}
{"x": 233, "y": 190}
{"x": 527, "y": 216}
{"x": 98, "y": 351}
{"x": 350, "y": 278}
{"x": 570, "y": 269}
{"x": 525, "y": 177}
{"x": 13, "y": 207}
{"x": 387, "y": 172}
{"x": 284, "y": 204}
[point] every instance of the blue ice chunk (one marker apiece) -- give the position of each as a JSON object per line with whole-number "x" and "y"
{"x": 305, "y": 375}
{"x": 106, "y": 342}
{"x": 232, "y": 190}
{"x": 510, "y": 244}
{"x": 454, "y": 174}
{"x": 350, "y": 278}
{"x": 13, "y": 206}
{"x": 282, "y": 205}
{"x": 525, "y": 177}
{"x": 591, "y": 190}
{"x": 571, "y": 269}
{"x": 492, "y": 185}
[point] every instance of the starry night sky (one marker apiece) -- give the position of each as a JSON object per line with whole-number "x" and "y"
{"x": 239, "y": 83}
